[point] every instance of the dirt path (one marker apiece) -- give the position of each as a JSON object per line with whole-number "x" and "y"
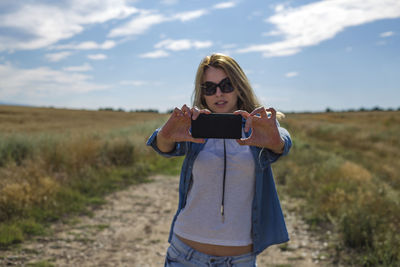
{"x": 132, "y": 230}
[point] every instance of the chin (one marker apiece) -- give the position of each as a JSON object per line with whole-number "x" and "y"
{"x": 221, "y": 110}
{"x": 225, "y": 109}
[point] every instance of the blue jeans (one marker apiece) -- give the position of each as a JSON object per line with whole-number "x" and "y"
{"x": 181, "y": 255}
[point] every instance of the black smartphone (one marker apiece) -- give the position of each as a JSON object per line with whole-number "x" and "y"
{"x": 217, "y": 125}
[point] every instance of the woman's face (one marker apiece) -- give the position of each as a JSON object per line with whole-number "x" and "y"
{"x": 219, "y": 102}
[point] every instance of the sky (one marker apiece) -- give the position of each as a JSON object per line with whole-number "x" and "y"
{"x": 299, "y": 55}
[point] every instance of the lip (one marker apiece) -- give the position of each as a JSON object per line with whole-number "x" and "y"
{"x": 221, "y": 102}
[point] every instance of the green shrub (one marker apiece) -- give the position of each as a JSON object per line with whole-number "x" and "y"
{"x": 346, "y": 195}
{"x": 15, "y": 149}
{"x": 118, "y": 153}
{"x": 10, "y": 234}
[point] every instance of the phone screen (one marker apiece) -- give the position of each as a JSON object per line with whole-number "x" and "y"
{"x": 217, "y": 125}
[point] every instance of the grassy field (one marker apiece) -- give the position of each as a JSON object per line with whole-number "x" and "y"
{"x": 343, "y": 168}
{"x": 55, "y": 163}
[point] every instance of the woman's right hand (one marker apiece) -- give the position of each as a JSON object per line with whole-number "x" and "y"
{"x": 176, "y": 129}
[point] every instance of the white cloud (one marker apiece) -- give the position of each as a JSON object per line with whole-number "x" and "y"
{"x": 291, "y": 74}
{"x": 55, "y": 57}
{"x": 89, "y": 45}
{"x": 81, "y": 68}
{"x": 138, "y": 83}
{"x": 200, "y": 44}
{"x": 134, "y": 83}
{"x": 155, "y": 54}
{"x": 169, "y": 2}
{"x": 381, "y": 43}
{"x": 42, "y": 81}
{"x": 271, "y": 33}
{"x": 97, "y": 56}
{"x": 39, "y": 25}
{"x": 313, "y": 23}
{"x": 190, "y": 15}
{"x": 175, "y": 45}
{"x": 148, "y": 19}
{"x": 138, "y": 25}
{"x": 183, "y": 44}
{"x": 279, "y": 7}
{"x": 224, "y": 5}
{"x": 386, "y": 34}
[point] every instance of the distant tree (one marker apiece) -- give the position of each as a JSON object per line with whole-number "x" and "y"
{"x": 328, "y": 109}
{"x": 146, "y": 110}
{"x": 377, "y": 108}
{"x": 106, "y": 109}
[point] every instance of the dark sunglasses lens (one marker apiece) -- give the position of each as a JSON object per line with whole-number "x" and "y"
{"x": 226, "y": 87}
{"x": 209, "y": 88}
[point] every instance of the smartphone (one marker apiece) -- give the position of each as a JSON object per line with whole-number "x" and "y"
{"x": 217, "y": 125}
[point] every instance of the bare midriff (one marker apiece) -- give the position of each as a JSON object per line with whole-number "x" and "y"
{"x": 217, "y": 250}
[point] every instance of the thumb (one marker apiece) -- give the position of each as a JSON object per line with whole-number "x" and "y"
{"x": 197, "y": 140}
{"x": 243, "y": 141}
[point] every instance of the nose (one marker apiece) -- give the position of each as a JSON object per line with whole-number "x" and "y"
{"x": 218, "y": 92}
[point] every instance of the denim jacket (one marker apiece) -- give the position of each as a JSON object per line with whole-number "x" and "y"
{"x": 268, "y": 224}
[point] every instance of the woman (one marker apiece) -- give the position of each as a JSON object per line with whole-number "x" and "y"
{"x": 228, "y": 209}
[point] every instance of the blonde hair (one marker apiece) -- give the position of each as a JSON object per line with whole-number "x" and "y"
{"x": 247, "y": 99}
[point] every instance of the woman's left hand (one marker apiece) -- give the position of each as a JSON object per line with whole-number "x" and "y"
{"x": 264, "y": 130}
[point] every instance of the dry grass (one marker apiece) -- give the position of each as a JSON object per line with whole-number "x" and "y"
{"x": 55, "y": 162}
{"x": 15, "y": 119}
{"x": 346, "y": 166}
{"x": 370, "y": 139}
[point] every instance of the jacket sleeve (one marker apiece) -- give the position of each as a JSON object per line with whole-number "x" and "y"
{"x": 179, "y": 150}
{"x": 270, "y": 156}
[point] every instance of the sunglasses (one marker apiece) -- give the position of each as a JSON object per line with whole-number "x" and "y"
{"x": 210, "y": 88}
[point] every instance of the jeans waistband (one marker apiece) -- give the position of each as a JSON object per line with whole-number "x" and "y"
{"x": 207, "y": 259}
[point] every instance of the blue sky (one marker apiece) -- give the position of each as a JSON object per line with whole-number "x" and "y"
{"x": 299, "y": 55}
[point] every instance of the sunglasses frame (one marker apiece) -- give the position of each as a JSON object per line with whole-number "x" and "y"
{"x": 224, "y": 85}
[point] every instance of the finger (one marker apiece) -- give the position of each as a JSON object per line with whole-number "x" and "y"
{"x": 244, "y": 113}
{"x": 205, "y": 111}
{"x": 273, "y": 113}
{"x": 186, "y": 111}
{"x": 263, "y": 113}
{"x": 257, "y": 111}
{"x": 195, "y": 113}
{"x": 248, "y": 125}
{"x": 243, "y": 141}
{"x": 197, "y": 140}
{"x": 177, "y": 112}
